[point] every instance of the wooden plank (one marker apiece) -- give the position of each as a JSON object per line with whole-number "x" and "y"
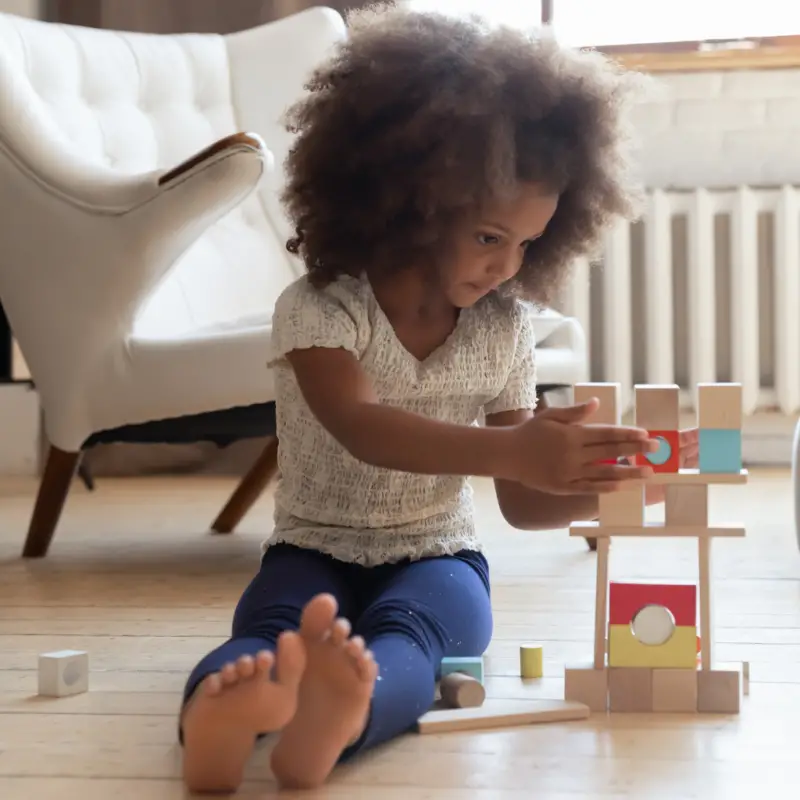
{"x": 656, "y": 529}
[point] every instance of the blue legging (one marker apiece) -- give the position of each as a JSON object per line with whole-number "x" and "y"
{"x": 411, "y": 615}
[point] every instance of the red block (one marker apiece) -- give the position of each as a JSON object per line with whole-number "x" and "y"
{"x": 625, "y": 600}
{"x": 668, "y": 459}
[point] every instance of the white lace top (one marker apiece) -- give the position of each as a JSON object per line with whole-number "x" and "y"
{"x": 328, "y": 500}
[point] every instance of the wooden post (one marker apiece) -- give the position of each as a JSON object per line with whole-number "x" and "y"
{"x": 601, "y": 602}
{"x": 706, "y": 634}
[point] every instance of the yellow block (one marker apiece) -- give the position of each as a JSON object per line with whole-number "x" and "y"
{"x": 530, "y": 661}
{"x": 625, "y": 650}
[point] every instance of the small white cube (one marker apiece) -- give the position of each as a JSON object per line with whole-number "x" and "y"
{"x": 63, "y": 673}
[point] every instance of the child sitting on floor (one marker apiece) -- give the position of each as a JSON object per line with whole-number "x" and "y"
{"x": 443, "y": 174}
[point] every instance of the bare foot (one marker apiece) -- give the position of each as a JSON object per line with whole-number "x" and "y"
{"x": 232, "y": 707}
{"x": 334, "y": 698}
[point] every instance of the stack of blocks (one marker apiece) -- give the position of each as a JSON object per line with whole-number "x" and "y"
{"x": 645, "y": 648}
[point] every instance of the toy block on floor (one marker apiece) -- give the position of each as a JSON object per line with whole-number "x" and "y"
{"x": 501, "y": 715}
{"x": 467, "y": 665}
{"x": 608, "y": 394}
{"x": 720, "y": 450}
{"x": 63, "y": 673}
{"x": 531, "y": 661}
{"x": 630, "y": 689}
{"x": 686, "y": 505}
{"x": 461, "y": 691}
{"x": 624, "y": 508}
{"x": 719, "y": 406}
{"x": 675, "y": 690}
{"x": 587, "y": 685}
{"x": 718, "y": 691}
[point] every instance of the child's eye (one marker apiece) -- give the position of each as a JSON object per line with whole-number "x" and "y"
{"x": 488, "y": 238}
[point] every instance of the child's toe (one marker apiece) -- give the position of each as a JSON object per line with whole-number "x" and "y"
{"x": 246, "y": 667}
{"x": 339, "y": 632}
{"x": 291, "y": 659}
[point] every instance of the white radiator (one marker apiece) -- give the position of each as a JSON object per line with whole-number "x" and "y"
{"x": 705, "y": 287}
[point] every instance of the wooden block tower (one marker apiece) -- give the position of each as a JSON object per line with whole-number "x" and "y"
{"x": 646, "y": 635}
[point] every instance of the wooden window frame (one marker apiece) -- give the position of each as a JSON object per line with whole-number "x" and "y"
{"x": 775, "y": 52}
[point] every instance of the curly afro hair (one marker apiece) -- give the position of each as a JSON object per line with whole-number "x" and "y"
{"x": 421, "y": 118}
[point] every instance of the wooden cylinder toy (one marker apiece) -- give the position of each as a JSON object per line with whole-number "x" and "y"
{"x": 461, "y": 691}
{"x": 531, "y": 661}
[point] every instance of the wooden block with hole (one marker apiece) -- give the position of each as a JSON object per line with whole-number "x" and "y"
{"x": 587, "y": 685}
{"x": 675, "y": 690}
{"x": 657, "y": 407}
{"x": 608, "y": 394}
{"x": 719, "y": 406}
{"x": 718, "y": 691}
{"x": 623, "y": 509}
{"x": 686, "y": 505}
{"x": 630, "y": 689}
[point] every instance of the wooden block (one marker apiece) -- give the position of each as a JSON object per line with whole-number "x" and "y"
{"x": 607, "y": 394}
{"x": 718, "y": 691}
{"x": 624, "y": 508}
{"x": 668, "y": 456}
{"x": 626, "y": 599}
{"x": 63, "y": 673}
{"x": 630, "y": 689}
{"x": 691, "y": 477}
{"x": 593, "y": 530}
{"x": 601, "y": 603}
{"x": 507, "y": 714}
{"x": 686, "y": 505}
{"x": 531, "y": 661}
{"x": 461, "y": 691}
{"x": 625, "y": 650}
{"x": 719, "y": 405}
{"x": 675, "y": 690}
{"x": 657, "y": 407}
{"x": 468, "y": 665}
{"x": 720, "y": 450}
{"x": 588, "y": 686}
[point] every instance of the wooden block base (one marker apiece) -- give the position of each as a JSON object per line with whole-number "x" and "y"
{"x": 588, "y": 686}
{"x": 675, "y": 690}
{"x": 718, "y": 691}
{"x": 630, "y": 689}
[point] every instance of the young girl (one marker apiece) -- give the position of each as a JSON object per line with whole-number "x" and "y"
{"x": 443, "y": 173}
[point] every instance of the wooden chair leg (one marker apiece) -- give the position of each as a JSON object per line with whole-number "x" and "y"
{"x": 249, "y": 490}
{"x": 53, "y": 489}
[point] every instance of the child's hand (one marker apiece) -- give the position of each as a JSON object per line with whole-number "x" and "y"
{"x": 555, "y": 453}
{"x": 689, "y": 453}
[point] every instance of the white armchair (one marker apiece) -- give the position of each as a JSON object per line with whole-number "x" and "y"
{"x": 142, "y": 237}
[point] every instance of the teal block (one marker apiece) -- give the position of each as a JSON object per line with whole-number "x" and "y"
{"x": 720, "y": 450}
{"x": 469, "y": 665}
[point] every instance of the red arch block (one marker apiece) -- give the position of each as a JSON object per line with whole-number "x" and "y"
{"x": 625, "y": 600}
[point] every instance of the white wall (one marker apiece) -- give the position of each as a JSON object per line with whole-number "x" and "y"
{"x": 23, "y": 8}
{"x": 722, "y": 129}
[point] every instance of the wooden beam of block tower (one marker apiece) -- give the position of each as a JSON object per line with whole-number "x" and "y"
{"x": 719, "y": 418}
{"x": 658, "y": 411}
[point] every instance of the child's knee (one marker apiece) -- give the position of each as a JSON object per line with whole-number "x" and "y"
{"x": 406, "y": 620}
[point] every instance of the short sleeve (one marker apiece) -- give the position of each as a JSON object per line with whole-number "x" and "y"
{"x": 519, "y": 391}
{"x": 306, "y": 317}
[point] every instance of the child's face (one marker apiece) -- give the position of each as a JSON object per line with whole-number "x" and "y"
{"x": 488, "y": 251}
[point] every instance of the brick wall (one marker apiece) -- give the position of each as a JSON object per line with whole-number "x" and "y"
{"x": 721, "y": 129}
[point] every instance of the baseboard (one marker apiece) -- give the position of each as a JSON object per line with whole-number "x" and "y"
{"x": 20, "y": 430}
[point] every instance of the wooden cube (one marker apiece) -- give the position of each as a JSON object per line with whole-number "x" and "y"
{"x": 630, "y": 689}
{"x": 675, "y": 690}
{"x": 686, "y": 505}
{"x": 624, "y": 508}
{"x": 588, "y": 686}
{"x": 607, "y": 394}
{"x": 719, "y": 405}
{"x": 63, "y": 673}
{"x": 658, "y": 407}
{"x": 720, "y": 450}
{"x": 718, "y": 691}
{"x": 467, "y": 665}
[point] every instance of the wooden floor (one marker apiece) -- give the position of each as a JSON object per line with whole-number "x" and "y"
{"x": 134, "y": 579}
